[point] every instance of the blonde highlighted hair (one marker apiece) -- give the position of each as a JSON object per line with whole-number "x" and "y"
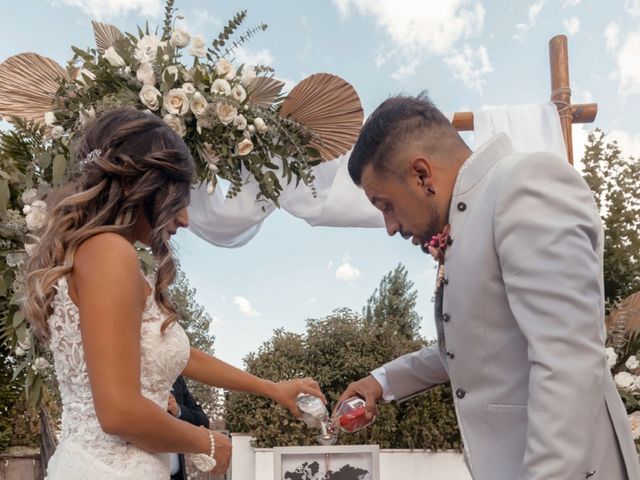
{"x": 142, "y": 168}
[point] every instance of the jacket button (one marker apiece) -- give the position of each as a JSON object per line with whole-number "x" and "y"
{"x": 462, "y": 206}
{"x": 460, "y": 393}
{"x": 445, "y": 317}
{"x": 451, "y": 355}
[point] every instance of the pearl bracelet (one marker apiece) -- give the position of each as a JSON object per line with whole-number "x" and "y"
{"x": 212, "y": 442}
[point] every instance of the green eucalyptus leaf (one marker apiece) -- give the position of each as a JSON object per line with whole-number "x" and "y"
{"x": 35, "y": 392}
{"x": 59, "y": 169}
{"x": 18, "y": 318}
{"x": 5, "y": 195}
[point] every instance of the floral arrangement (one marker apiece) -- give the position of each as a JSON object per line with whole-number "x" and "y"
{"x": 231, "y": 117}
{"x": 623, "y": 358}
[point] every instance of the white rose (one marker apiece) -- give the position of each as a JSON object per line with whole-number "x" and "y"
{"x": 113, "y": 58}
{"x": 238, "y": 93}
{"x": 248, "y": 75}
{"x": 634, "y": 420}
{"x": 198, "y": 104}
{"x": 146, "y": 74}
{"x": 210, "y": 156}
{"x": 36, "y": 215}
{"x": 244, "y": 147}
{"x": 20, "y": 352}
{"x": 632, "y": 363}
{"x": 625, "y": 380}
{"x": 147, "y": 48}
{"x": 14, "y": 259}
{"x": 176, "y": 123}
{"x": 180, "y": 37}
{"x": 57, "y": 132}
{"x": 260, "y": 125}
{"x": 29, "y": 196}
{"x": 198, "y": 47}
{"x": 221, "y": 87}
{"x": 49, "y": 118}
{"x": 84, "y": 76}
{"x": 612, "y": 357}
{"x": 240, "y": 122}
{"x": 150, "y": 97}
{"x": 30, "y": 248}
{"x": 40, "y": 365}
{"x": 86, "y": 115}
{"x": 172, "y": 70}
{"x": 189, "y": 88}
{"x": 176, "y": 101}
{"x": 251, "y": 130}
{"x": 225, "y": 69}
{"x": 226, "y": 113}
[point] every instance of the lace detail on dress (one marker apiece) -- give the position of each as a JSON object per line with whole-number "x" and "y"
{"x": 85, "y": 451}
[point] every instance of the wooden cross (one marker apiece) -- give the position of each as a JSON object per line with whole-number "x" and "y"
{"x": 560, "y": 95}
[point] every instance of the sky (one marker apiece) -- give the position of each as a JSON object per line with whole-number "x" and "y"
{"x": 468, "y": 54}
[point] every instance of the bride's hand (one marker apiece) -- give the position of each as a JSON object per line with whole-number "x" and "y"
{"x": 286, "y": 393}
{"x": 222, "y": 453}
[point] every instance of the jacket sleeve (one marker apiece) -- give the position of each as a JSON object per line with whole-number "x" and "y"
{"x": 415, "y": 372}
{"x": 547, "y": 237}
{"x": 190, "y": 411}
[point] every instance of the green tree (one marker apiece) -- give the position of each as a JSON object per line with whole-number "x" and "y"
{"x": 336, "y": 350}
{"x": 196, "y": 322}
{"x": 615, "y": 182}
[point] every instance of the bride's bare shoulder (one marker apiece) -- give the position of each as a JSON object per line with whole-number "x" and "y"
{"x": 106, "y": 259}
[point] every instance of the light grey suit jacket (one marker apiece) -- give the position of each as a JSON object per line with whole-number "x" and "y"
{"x": 523, "y": 325}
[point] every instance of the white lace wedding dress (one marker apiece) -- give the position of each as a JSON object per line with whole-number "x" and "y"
{"x": 85, "y": 451}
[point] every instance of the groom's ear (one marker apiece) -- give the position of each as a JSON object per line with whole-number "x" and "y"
{"x": 421, "y": 171}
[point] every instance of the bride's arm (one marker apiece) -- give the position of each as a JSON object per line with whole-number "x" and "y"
{"x": 110, "y": 292}
{"x": 207, "y": 369}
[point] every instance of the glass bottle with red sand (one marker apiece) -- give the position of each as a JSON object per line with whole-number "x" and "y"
{"x": 351, "y": 415}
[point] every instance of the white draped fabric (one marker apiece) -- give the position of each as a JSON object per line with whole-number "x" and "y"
{"x": 232, "y": 222}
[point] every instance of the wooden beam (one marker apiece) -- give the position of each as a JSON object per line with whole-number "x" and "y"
{"x": 561, "y": 87}
{"x": 580, "y": 113}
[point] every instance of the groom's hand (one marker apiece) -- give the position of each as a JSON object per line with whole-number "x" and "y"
{"x": 367, "y": 388}
{"x": 222, "y": 453}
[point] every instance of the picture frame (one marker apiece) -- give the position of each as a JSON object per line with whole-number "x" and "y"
{"x": 338, "y": 462}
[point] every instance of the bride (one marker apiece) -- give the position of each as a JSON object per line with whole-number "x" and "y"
{"x": 116, "y": 345}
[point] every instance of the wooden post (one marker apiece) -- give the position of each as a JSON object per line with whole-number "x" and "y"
{"x": 560, "y": 95}
{"x": 561, "y": 88}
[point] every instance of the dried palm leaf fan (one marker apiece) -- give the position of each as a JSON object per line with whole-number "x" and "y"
{"x": 330, "y": 107}
{"x": 626, "y": 314}
{"x": 105, "y": 35}
{"x": 262, "y": 91}
{"x": 28, "y": 84}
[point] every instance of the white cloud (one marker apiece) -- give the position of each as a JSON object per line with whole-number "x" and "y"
{"x": 581, "y": 95}
{"x": 260, "y": 57}
{"x": 571, "y": 3}
{"x": 330, "y": 265}
{"x": 311, "y": 301}
{"x": 532, "y": 13}
{"x": 406, "y": 70}
{"x": 628, "y": 62}
{"x": 419, "y": 28}
{"x": 101, "y": 9}
{"x": 244, "y": 306}
{"x": 346, "y": 272}
{"x": 572, "y": 25}
{"x": 470, "y": 66}
{"x": 612, "y": 36}
{"x": 633, "y": 7}
{"x": 629, "y": 143}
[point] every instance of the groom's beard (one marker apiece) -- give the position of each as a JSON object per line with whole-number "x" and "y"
{"x": 434, "y": 227}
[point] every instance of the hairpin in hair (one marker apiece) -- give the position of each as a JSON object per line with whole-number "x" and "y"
{"x": 92, "y": 157}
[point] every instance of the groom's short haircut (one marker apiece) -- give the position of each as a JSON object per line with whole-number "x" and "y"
{"x": 398, "y": 121}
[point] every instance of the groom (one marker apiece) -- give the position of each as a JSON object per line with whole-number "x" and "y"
{"x": 519, "y": 307}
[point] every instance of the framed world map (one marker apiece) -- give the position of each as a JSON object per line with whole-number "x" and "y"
{"x": 349, "y": 462}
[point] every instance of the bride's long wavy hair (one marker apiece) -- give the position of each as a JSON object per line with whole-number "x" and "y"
{"x": 143, "y": 168}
